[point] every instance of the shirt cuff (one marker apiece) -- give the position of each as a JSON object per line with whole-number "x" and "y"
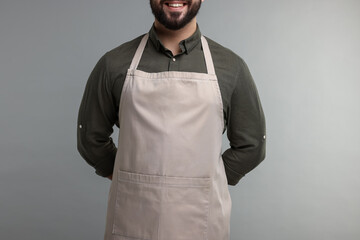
{"x": 232, "y": 177}
{"x": 104, "y": 168}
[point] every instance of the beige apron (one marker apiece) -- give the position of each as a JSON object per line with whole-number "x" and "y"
{"x": 169, "y": 181}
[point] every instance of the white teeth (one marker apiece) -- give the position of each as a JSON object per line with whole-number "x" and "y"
{"x": 176, "y": 4}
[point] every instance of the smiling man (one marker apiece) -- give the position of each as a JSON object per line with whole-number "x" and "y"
{"x": 172, "y": 92}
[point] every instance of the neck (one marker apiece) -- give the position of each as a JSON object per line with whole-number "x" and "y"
{"x": 171, "y": 38}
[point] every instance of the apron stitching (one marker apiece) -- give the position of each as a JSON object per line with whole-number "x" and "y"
{"x": 162, "y": 185}
{"x": 154, "y": 76}
{"x": 132, "y": 237}
{"x": 208, "y": 212}
{"x": 218, "y": 93}
{"x": 160, "y": 213}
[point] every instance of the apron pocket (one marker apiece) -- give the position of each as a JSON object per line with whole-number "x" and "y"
{"x": 161, "y": 207}
{"x": 185, "y": 208}
{"x": 137, "y": 207}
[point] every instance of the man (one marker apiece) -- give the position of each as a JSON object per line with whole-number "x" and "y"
{"x": 172, "y": 93}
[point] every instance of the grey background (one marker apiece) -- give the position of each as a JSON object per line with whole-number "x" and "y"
{"x": 304, "y": 56}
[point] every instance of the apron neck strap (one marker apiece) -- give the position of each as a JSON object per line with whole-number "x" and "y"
{"x": 207, "y": 55}
{"x": 204, "y": 43}
{"x": 139, "y": 52}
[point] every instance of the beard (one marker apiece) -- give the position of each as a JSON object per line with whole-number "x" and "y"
{"x": 174, "y": 21}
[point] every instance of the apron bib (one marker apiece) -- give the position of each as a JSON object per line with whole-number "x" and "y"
{"x": 169, "y": 181}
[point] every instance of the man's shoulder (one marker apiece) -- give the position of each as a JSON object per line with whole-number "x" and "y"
{"x": 222, "y": 54}
{"x": 121, "y": 56}
{"x": 118, "y": 59}
{"x": 125, "y": 48}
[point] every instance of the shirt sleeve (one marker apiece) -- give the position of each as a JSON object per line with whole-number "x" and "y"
{"x": 96, "y": 118}
{"x": 246, "y": 129}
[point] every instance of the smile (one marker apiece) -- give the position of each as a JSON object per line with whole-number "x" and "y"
{"x": 175, "y": 4}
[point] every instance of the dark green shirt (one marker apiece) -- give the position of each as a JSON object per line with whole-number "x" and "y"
{"x": 243, "y": 114}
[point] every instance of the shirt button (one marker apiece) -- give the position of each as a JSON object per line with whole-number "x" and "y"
{"x": 264, "y": 137}
{"x": 174, "y": 59}
{"x": 80, "y": 126}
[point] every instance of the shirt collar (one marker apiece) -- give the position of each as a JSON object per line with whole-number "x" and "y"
{"x": 186, "y": 45}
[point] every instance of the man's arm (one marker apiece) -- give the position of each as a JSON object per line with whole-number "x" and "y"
{"x": 96, "y": 118}
{"x": 246, "y": 129}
